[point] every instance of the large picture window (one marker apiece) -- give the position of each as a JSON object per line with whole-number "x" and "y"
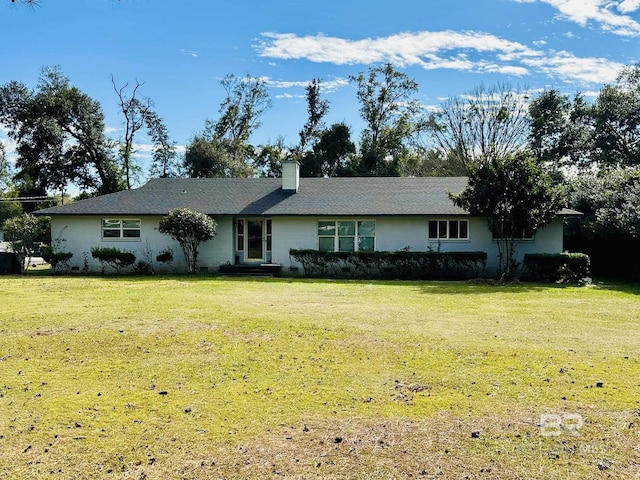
{"x": 113, "y": 228}
{"x": 346, "y": 235}
{"x": 448, "y": 229}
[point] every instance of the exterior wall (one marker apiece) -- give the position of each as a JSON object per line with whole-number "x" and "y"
{"x": 546, "y": 240}
{"x": 397, "y": 233}
{"x": 292, "y": 232}
{"x": 218, "y": 250}
{"x": 79, "y": 234}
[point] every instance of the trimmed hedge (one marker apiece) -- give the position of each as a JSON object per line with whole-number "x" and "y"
{"x": 402, "y": 264}
{"x": 556, "y": 267}
{"x": 113, "y": 257}
{"x": 55, "y": 259}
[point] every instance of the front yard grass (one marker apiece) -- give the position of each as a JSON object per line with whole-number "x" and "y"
{"x": 202, "y": 377}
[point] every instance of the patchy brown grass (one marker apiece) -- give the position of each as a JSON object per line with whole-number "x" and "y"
{"x": 441, "y": 447}
{"x": 218, "y": 378}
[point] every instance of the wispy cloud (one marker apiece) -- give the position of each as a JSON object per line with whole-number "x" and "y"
{"x": 289, "y": 96}
{"x": 570, "y": 68}
{"x": 188, "y": 53}
{"x": 609, "y": 15}
{"x": 146, "y": 149}
{"x": 422, "y": 48}
{"x": 467, "y": 51}
{"x": 326, "y": 86}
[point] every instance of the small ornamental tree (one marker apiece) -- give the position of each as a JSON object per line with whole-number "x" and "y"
{"x": 516, "y": 196}
{"x": 21, "y": 232}
{"x": 189, "y": 229}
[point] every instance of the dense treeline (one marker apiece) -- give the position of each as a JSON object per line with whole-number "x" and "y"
{"x": 589, "y": 148}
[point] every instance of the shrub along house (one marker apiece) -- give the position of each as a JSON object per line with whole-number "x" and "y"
{"x": 261, "y": 219}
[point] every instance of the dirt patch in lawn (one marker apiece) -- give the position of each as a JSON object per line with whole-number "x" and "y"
{"x": 442, "y": 447}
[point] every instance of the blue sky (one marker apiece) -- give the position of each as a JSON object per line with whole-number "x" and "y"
{"x": 180, "y": 50}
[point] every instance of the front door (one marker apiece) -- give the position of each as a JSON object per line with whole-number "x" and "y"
{"x": 255, "y": 248}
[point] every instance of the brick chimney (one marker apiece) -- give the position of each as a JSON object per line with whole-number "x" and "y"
{"x": 290, "y": 175}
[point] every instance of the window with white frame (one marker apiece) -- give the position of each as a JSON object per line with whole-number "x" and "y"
{"x": 346, "y": 235}
{"x": 121, "y": 228}
{"x": 448, "y": 229}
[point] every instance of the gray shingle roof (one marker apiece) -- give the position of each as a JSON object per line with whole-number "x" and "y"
{"x": 358, "y": 196}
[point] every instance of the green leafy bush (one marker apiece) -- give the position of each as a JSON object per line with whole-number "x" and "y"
{"x": 113, "y": 257}
{"x": 57, "y": 260}
{"x": 189, "y": 229}
{"x": 556, "y": 267}
{"x": 402, "y": 264}
{"x": 165, "y": 256}
{"x": 142, "y": 268}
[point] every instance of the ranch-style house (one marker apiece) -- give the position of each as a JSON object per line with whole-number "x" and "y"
{"x": 261, "y": 219}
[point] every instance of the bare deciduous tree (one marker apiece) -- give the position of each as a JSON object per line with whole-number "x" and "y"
{"x": 134, "y": 111}
{"x": 489, "y": 122}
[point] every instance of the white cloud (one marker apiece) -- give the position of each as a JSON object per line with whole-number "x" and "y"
{"x": 145, "y": 149}
{"x": 142, "y": 148}
{"x": 326, "y": 86}
{"x": 511, "y": 70}
{"x": 590, "y": 94}
{"x": 289, "y": 96}
{"x": 601, "y": 12}
{"x": 188, "y": 53}
{"x": 285, "y": 84}
{"x": 628, "y": 6}
{"x": 404, "y": 49}
{"x": 468, "y": 51}
{"x": 568, "y": 67}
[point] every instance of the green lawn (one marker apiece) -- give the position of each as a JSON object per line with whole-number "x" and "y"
{"x": 203, "y": 377}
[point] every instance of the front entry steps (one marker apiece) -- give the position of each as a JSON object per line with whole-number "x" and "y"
{"x": 248, "y": 269}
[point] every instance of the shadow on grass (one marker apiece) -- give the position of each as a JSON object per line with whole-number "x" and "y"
{"x": 448, "y": 287}
{"x": 614, "y": 285}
